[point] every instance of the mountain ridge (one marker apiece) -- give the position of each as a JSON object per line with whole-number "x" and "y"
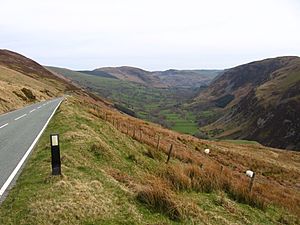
{"x": 253, "y": 99}
{"x": 158, "y": 79}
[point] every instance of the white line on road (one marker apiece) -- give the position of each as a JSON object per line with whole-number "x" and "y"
{"x": 39, "y": 107}
{"x": 32, "y": 110}
{"x": 3, "y": 125}
{"x": 20, "y": 116}
{"x": 15, "y": 171}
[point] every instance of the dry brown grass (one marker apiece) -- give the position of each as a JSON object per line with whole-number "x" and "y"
{"x": 273, "y": 173}
{"x": 18, "y": 90}
{"x": 209, "y": 179}
{"x": 159, "y": 197}
{"x": 81, "y": 199}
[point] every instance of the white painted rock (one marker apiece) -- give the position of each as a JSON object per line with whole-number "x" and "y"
{"x": 206, "y": 151}
{"x": 249, "y": 173}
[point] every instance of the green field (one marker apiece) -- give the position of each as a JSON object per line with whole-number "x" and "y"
{"x": 184, "y": 123}
{"x": 159, "y": 105}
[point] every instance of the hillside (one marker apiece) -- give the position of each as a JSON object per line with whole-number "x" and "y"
{"x": 132, "y": 74}
{"x": 159, "y": 105}
{"x": 258, "y": 101}
{"x": 23, "y": 81}
{"x": 158, "y": 79}
{"x": 115, "y": 171}
{"x": 187, "y": 78}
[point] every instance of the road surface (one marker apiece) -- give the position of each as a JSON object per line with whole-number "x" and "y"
{"x": 19, "y": 132}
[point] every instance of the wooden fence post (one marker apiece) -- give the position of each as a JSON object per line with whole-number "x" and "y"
{"x": 158, "y": 142}
{"x": 251, "y": 182}
{"x": 141, "y": 134}
{"x": 134, "y": 132}
{"x": 169, "y": 154}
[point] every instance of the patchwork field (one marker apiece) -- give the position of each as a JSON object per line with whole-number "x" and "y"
{"x": 159, "y": 105}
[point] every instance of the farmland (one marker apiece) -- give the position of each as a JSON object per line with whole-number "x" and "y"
{"x": 159, "y": 105}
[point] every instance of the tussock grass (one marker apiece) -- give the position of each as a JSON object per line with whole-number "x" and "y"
{"x": 194, "y": 178}
{"x": 160, "y": 198}
{"x": 240, "y": 193}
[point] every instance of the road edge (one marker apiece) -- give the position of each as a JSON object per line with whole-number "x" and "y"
{"x": 21, "y": 162}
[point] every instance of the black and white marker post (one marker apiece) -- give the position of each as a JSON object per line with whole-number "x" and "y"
{"x": 55, "y": 154}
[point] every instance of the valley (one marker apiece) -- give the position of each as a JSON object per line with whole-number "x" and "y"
{"x": 118, "y": 169}
{"x": 256, "y": 101}
{"x": 150, "y": 112}
{"x": 152, "y": 103}
{"x": 246, "y": 102}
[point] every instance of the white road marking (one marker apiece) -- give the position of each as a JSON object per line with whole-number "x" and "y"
{"x": 39, "y": 107}
{"x": 15, "y": 171}
{"x": 32, "y": 110}
{"x": 3, "y": 125}
{"x": 20, "y": 116}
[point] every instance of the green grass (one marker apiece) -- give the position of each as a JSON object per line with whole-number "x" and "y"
{"x": 181, "y": 123}
{"x": 241, "y": 142}
{"x": 99, "y": 164}
{"x": 148, "y": 103}
{"x": 87, "y": 186}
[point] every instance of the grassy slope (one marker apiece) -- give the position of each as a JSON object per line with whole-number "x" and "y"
{"x": 12, "y": 83}
{"x": 153, "y": 104}
{"x": 273, "y": 96}
{"x": 104, "y": 171}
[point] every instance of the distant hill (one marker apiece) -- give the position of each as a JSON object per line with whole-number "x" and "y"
{"x": 259, "y": 101}
{"x": 97, "y": 73}
{"x": 187, "y": 78}
{"x": 23, "y": 81}
{"x": 132, "y": 74}
{"x": 158, "y": 79}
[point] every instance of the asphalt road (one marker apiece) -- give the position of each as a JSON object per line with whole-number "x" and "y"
{"x": 19, "y": 132}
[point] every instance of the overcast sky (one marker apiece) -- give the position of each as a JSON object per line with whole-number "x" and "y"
{"x": 152, "y": 34}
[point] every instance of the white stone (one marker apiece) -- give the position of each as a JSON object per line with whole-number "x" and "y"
{"x": 206, "y": 151}
{"x": 249, "y": 173}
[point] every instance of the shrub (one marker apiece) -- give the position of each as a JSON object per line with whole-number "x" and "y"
{"x": 96, "y": 150}
{"x": 132, "y": 157}
{"x": 126, "y": 110}
{"x": 28, "y": 93}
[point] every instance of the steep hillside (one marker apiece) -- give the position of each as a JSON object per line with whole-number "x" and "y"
{"x": 187, "y": 78}
{"x": 23, "y": 81}
{"x": 158, "y": 79}
{"x": 120, "y": 170}
{"x": 98, "y": 73}
{"x": 259, "y": 101}
{"x": 132, "y": 74}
